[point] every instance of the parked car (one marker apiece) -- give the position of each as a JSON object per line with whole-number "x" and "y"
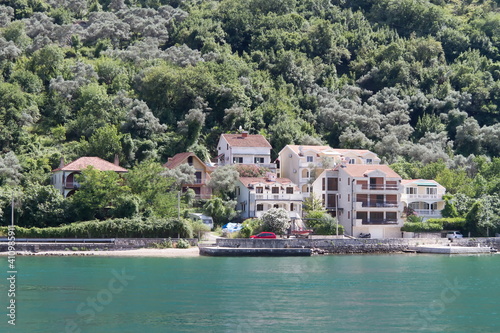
{"x": 454, "y": 234}
{"x": 264, "y": 235}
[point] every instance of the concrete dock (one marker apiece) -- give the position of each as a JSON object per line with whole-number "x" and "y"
{"x": 451, "y": 249}
{"x": 254, "y": 252}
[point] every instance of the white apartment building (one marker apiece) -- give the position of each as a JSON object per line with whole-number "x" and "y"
{"x": 256, "y": 195}
{"x": 303, "y": 164}
{"x": 424, "y": 197}
{"x": 365, "y": 198}
{"x": 244, "y": 148}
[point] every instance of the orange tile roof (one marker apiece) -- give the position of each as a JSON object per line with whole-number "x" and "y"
{"x": 359, "y": 170}
{"x": 251, "y": 140}
{"x": 83, "y": 162}
{"x": 181, "y": 158}
{"x": 177, "y": 160}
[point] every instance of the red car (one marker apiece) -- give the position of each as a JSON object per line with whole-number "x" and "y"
{"x": 264, "y": 235}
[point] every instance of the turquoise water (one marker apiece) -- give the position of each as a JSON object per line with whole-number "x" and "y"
{"x": 371, "y": 293}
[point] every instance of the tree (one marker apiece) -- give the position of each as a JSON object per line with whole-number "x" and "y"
{"x": 221, "y": 211}
{"x": 42, "y": 206}
{"x": 105, "y": 143}
{"x": 223, "y": 181}
{"x": 276, "y": 220}
{"x": 10, "y": 169}
{"x": 99, "y": 191}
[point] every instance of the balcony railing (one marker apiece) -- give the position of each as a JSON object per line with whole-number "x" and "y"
{"x": 377, "y": 187}
{"x": 379, "y": 204}
{"x": 427, "y": 212}
{"x": 379, "y": 221}
{"x": 423, "y": 196}
{"x": 278, "y": 197}
{"x": 198, "y": 181}
{"x": 72, "y": 185}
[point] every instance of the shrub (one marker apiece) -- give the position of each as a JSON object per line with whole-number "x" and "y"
{"x": 323, "y": 223}
{"x": 422, "y": 227}
{"x": 276, "y": 220}
{"x": 182, "y": 244}
{"x": 246, "y": 231}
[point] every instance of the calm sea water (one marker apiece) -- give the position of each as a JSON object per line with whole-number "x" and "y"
{"x": 371, "y": 293}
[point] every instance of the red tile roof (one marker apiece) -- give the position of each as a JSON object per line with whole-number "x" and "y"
{"x": 177, "y": 160}
{"x": 83, "y": 162}
{"x": 359, "y": 170}
{"x": 181, "y": 158}
{"x": 251, "y": 140}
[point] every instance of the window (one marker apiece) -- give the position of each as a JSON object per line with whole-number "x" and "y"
{"x": 369, "y": 161}
{"x": 309, "y": 159}
{"x": 289, "y": 190}
{"x": 260, "y": 207}
{"x": 431, "y": 190}
{"x": 259, "y": 160}
{"x": 259, "y": 190}
{"x": 348, "y": 181}
{"x": 348, "y": 197}
{"x": 190, "y": 160}
{"x": 237, "y": 160}
{"x": 352, "y": 161}
{"x": 411, "y": 190}
{"x": 238, "y": 191}
{"x": 292, "y": 207}
{"x": 275, "y": 190}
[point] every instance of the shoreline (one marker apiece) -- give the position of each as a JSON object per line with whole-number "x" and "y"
{"x": 142, "y": 252}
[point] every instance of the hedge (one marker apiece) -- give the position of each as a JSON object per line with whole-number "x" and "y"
{"x": 450, "y": 223}
{"x": 422, "y": 227}
{"x": 113, "y": 228}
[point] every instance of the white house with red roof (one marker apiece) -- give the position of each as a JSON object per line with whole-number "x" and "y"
{"x": 365, "y": 198}
{"x": 202, "y": 173}
{"x": 244, "y": 148}
{"x": 63, "y": 178}
{"x": 256, "y": 195}
{"x": 424, "y": 197}
{"x": 302, "y": 164}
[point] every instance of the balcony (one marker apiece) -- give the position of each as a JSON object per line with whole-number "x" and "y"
{"x": 276, "y": 197}
{"x": 428, "y": 212}
{"x": 379, "y": 221}
{"x": 270, "y": 166}
{"x": 376, "y": 187}
{"x": 412, "y": 197}
{"x": 379, "y": 204}
{"x": 72, "y": 185}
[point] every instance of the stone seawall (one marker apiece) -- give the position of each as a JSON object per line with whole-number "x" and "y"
{"x": 119, "y": 244}
{"x": 343, "y": 246}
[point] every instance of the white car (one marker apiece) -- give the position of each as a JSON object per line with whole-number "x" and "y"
{"x": 454, "y": 234}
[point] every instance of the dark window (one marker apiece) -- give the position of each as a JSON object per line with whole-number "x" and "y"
{"x": 289, "y": 190}
{"x": 260, "y": 207}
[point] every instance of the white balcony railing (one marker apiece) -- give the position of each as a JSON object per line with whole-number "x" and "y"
{"x": 428, "y": 212}
{"x": 438, "y": 196}
{"x": 277, "y": 197}
{"x": 376, "y": 187}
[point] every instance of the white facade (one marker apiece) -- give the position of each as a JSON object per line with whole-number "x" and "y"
{"x": 244, "y": 148}
{"x": 366, "y": 199}
{"x": 424, "y": 197}
{"x": 256, "y": 195}
{"x": 303, "y": 164}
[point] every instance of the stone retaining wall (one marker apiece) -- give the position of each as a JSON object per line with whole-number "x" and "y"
{"x": 119, "y": 244}
{"x": 355, "y": 245}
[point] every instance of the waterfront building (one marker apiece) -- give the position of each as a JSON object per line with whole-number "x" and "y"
{"x": 424, "y": 197}
{"x": 256, "y": 195}
{"x": 303, "y": 164}
{"x": 202, "y": 173}
{"x": 365, "y": 198}
{"x": 244, "y": 148}
{"x": 63, "y": 178}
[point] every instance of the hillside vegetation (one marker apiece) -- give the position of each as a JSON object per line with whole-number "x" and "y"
{"x": 417, "y": 82}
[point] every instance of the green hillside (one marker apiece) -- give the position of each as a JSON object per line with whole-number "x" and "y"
{"x": 417, "y": 82}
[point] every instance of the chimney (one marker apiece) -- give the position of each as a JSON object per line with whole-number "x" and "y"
{"x": 244, "y": 134}
{"x": 61, "y": 162}
{"x": 117, "y": 160}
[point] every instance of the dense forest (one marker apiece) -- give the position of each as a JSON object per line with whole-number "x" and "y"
{"x": 416, "y": 81}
